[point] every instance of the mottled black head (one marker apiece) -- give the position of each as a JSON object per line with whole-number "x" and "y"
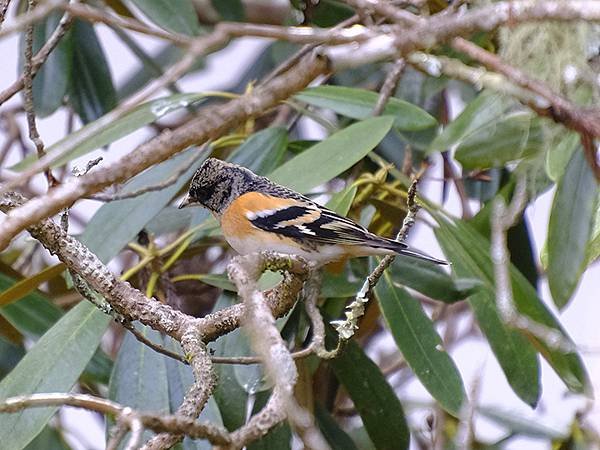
{"x": 216, "y": 184}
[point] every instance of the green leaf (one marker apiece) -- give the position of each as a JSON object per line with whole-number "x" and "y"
{"x": 593, "y": 250}
{"x": 107, "y": 129}
{"x": 32, "y": 315}
{"x": 519, "y": 423}
{"x": 117, "y": 223}
{"x": 230, "y": 10}
{"x": 469, "y": 252}
{"x": 48, "y": 439}
{"x": 172, "y": 15}
{"x": 333, "y": 434}
{"x": 485, "y": 109}
{"x": 559, "y": 155}
{"x": 263, "y": 151}
{"x": 180, "y": 379}
{"x": 430, "y": 279}
{"x": 516, "y": 355}
{"x": 359, "y": 104}
{"x": 341, "y": 202}
{"x": 338, "y": 286}
{"x": 10, "y": 355}
{"x": 52, "y": 79}
{"x": 139, "y": 377}
{"x": 420, "y": 344}
{"x": 35, "y": 314}
{"x": 327, "y": 13}
{"x": 92, "y": 92}
{"x": 570, "y": 228}
{"x": 229, "y": 395}
{"x": 334, "y": 155}
{"x": 53, "y": 364}
{"x": 512, "y": 137}
{"x": 23, "y": 287}
{"x": 373, "y": 397}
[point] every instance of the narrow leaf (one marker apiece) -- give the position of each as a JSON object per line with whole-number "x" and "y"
{"x": 484, "y": 109}
{"x": 342, "y": 201}
{"x": 420, "y": 345}
{"x": 335, "y": 436}
{"x": 516, "y": 355}
{"x": 359, "y": 104}
{"x": 180, "y": 379}
{"x": 430, "y": 279}
{"x": 107, "y": 129}
{"x": 229, "y": 395}
{"x": 53, "y": 364}
{"x": 92, "y": 91}
{"x": 471, "y": 256}
{"x": 29, "y": 284}
{"x": 334, "y": 155}
{"x": 172, "y": 15}
{"x": 570, "y": 228}
{"x": 52, "y": 79}
{"x": 231, "y": 10}
{"x": 139, "y": 377}
{"x": 373, "y": 397}
{"x": 32, "y": 315}
{"x": 513, "y": 137}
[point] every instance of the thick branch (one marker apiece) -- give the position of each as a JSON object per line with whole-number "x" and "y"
{"x": 121, "y": 296}
{"x": 269, "y": 345}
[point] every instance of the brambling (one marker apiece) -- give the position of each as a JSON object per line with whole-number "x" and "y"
{"x": 257, "y": 215}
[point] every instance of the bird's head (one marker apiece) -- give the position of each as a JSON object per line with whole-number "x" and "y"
{"x": 216, "y": 184}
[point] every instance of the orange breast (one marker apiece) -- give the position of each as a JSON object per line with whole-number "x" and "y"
{"x": 234, "y": 221}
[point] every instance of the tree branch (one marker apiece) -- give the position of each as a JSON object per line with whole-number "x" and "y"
{"x": 133, "y": 419}
{"x": 268, "y": 344}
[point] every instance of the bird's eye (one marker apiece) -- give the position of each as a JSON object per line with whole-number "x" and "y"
{"x": 202, "y": 193}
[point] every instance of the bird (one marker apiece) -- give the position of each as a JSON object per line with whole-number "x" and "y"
{"x": 257, "y": 215}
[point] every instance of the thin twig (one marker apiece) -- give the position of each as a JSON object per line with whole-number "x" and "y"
{"x": 40, "y": 57}
{"x": 34, "y": 135}
{"x": 311, "y": 296}
{"x": 30, "y": 17}
{"x": 3, "y": 8}
{"x": 156, "y": 347}
{"x": 300, "y": 354}
{"x": 155, "y": 187}
{"x": 92, "y": 14}
{"x": 355, "y": 310}
{"x": 134, "y": 420}
{"x": 389, "y": 85}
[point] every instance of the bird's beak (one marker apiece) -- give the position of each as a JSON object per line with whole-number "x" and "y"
{"x": 187, "y": 201}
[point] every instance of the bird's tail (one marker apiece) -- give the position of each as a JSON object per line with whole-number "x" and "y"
{"x": 420, "y": 255}
{"x": 402, "y": 249}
